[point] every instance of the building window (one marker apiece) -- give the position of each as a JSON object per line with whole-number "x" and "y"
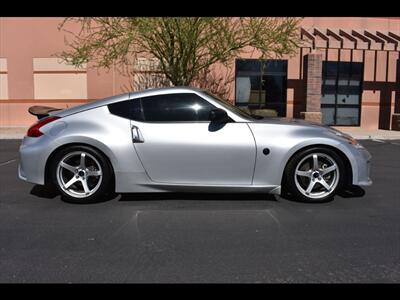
{"x": 54, "y": 79}
{"x": 341, "y": 93}
{"x": 3, "y": 79}
{"x": 261, "y": 84}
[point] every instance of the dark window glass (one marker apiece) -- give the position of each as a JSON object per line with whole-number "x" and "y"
{"x": 248, "y": 65}
{"x": 176, "y": 108}
{"x": 275, "y": 66}
{"x": 328, "y": 89}
{"x": 129, "y": 109}
{"x": 274, "y": 93}
{"x": 261, "y": 84}
{"x": 229, "y": 106}
{"x": 329, "y": 69}
{"x": 341, "y": 90}
{"x": 248, "y": 90}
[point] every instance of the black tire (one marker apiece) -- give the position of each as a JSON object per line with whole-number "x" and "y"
{"x": 289, "y": 187}
{"x": 106, "y": 185}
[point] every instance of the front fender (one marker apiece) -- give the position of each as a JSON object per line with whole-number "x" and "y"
{"x": 284, "y": 141}
{"x": 320, "y": 142}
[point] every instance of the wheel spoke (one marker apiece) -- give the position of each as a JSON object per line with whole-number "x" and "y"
{"x": 70, "y": 182}
{"x": 310, "y": 187}
{"x": 325, "y": 184}
{"x": 94, "y": 173}
{"x": 85, "y": 186}
{"x": 303, "y": 173}
{"x": 87, "y": 169}
{"x": 82, "y": 164}
{"x": 328, "y": 170}
{"x": 315, "y": 162}
{"x": 68, "y": 167}
{"x": 315, "y": 166}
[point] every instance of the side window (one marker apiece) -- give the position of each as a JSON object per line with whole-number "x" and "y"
{"x": 176, "y": 108}
{"x": 129, "y": 109}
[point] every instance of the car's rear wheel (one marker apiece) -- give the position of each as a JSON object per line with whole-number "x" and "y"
{"x": 315, "y": 175}
{"x": 82, "y": 174}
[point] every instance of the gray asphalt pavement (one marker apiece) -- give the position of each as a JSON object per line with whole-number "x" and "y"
{"x": 202, "y": 237}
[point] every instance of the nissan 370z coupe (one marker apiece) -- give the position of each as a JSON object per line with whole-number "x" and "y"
{"x": 185, "y": 139}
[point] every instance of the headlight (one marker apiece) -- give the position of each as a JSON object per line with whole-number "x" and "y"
{"x": 354, "y": 142}
{"x": 350, "y": 139}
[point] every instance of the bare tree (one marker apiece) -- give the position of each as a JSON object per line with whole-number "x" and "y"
{"x": 218, "y": 83}
{"x": 185, "y": 47}
{"x": 143, "y": 74}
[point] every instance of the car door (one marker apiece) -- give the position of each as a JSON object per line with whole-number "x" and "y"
{"x": 177, "y": 144}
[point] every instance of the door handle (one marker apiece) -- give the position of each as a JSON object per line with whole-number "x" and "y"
{"x": 136, "y": 135}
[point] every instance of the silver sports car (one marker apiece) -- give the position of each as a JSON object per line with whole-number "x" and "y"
{"x": 185, "y": 139}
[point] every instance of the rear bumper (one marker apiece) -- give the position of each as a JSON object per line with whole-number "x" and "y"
{"x": 32, "y": 159}
{"x": 21, "y": 174}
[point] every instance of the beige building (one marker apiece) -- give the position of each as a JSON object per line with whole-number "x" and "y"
{"x": 346, "y": 74}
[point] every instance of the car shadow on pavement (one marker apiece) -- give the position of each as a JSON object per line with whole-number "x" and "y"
{"x": 352, "y": 192}
{"x": 49, "y": 192}
{"x": 197, "y": 196}
{"x": 42, "y": 191}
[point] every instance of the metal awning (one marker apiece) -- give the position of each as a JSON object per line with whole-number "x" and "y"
{"x": 355, "y": 39}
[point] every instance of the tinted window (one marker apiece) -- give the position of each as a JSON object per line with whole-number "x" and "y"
{"x": 261, "y": 84}
{"x": 176, "y": 108}
{"x": 341, "y": 90}
{"x": 129, "y": 109}
{"x": 229, "y": 106}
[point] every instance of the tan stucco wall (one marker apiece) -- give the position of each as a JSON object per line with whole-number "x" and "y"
{"x": 22, "y": 39}
{"x": 3, "y": 79}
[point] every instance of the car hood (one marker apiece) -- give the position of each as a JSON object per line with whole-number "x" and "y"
{"x": 289, "y": 121}
{"x": 300, "y": 123}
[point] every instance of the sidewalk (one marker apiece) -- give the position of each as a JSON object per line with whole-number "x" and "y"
{"x": 356, "y": 132}
{"x": 8, "y": 133}
{"x": 370, "y": 134}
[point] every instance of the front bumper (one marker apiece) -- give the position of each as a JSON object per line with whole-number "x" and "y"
{"x": 361, "y": 167}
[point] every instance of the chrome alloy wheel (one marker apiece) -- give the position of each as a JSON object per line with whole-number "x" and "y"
{"x": 316, "y": 175}
{"x": 79, "y": 174}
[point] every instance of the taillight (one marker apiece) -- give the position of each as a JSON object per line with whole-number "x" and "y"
{"x": 34, "y": 131}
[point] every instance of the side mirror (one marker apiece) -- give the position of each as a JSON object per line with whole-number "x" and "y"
{"x": 219, "y": 116}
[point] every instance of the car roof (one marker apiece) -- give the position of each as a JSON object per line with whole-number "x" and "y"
{"x": 126, "y": 96}
{"x": 163, "y": 91}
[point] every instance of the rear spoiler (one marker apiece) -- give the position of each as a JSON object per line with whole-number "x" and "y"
{"x": 42, "y": 111}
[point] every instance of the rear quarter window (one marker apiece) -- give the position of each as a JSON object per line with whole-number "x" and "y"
{"x": 129, "y": 109}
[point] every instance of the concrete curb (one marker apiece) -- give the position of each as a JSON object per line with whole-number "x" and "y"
{"x": 375, "y": 137}
{"x": 365, "y": 134}
{"x": 9, "y": 133}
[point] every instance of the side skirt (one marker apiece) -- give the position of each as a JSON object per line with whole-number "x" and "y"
{"x": 154, "y": 188}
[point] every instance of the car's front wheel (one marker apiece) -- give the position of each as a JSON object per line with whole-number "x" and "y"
{"x": 82, "y": 174}
{"x": 315, "y": 175}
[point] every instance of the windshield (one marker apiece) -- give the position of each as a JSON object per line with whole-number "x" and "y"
{"x": 230, "y": 107}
